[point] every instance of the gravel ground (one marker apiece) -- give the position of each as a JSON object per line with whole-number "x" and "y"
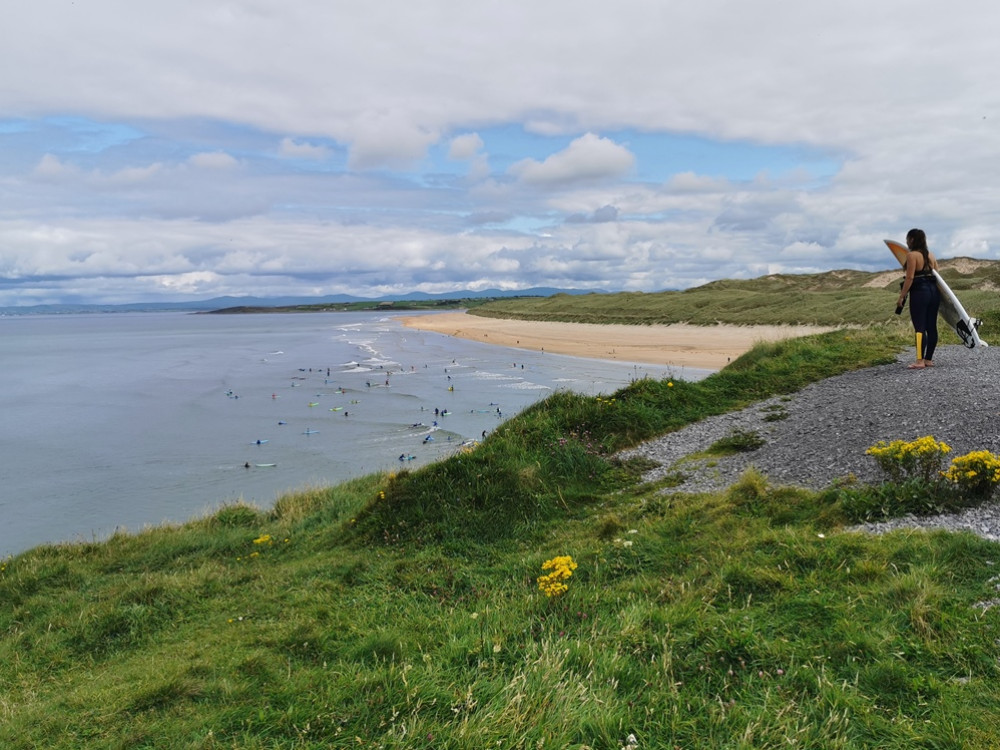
{"x": 820, "y": 434}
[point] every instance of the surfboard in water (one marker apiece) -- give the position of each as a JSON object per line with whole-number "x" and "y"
{"x": 951, "y": 309}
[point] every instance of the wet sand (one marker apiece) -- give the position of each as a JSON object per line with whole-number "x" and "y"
{"x": 705, "y": 347}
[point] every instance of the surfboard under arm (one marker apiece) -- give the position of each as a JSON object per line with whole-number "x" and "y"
{"x": 951, "y": 310}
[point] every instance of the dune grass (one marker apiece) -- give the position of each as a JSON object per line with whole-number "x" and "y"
{"x": 403, "y": 611}
{"x": 836, "y": 298}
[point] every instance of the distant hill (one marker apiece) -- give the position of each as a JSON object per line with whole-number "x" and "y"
{"x": 960, "y": 273}
{"x": 217, "y": 303}
{"x": 964, "y": 275}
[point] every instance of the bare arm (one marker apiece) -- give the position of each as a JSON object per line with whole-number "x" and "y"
{"x": 911, "y": 269}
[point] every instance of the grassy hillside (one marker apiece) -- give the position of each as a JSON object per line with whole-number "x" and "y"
{"x": 829, "y": 299}
{"x": 403, "y": 611}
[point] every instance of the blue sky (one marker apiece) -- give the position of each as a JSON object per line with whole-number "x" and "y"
{"x": 252, "y": 147}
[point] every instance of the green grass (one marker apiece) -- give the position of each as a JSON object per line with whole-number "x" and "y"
{"x": 738, "y": 441}
{"x": 402, "y": 611}
{"x": 836, "y": 298}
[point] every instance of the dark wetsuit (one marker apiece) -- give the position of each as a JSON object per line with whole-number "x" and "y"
{"x": 925, "y": 299}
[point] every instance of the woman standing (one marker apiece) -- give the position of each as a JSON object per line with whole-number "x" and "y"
{"x": 925, "y": 298}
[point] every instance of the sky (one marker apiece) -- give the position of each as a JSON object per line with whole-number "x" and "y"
{"x": 185, "y": 150}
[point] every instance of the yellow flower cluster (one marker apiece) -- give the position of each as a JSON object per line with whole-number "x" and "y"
{"x": 977, "y": 472}
{"x": 901, "y": 450}
{"x": 263, "y": 539}
{"x": 554, "y": 583}
{"x": 903, "y": 460}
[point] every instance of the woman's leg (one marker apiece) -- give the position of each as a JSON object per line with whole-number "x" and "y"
{"x": 931, "y": 339}
{"x": 920, "y": 305}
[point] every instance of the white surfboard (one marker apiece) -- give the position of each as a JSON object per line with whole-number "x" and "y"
{"x": 951, "y": 309}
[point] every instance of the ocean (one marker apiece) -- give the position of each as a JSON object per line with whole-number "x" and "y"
{"x": 125, "y": 420}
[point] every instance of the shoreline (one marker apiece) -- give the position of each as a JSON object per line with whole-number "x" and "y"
{"x": 678, "y": 344}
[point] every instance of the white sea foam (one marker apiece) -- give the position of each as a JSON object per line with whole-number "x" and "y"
{"x": 482, "y": 375}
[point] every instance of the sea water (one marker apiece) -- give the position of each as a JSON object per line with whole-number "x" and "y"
{"x": 124, "y": 420}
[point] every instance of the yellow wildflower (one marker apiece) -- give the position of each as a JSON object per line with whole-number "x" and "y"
{"x": 553, "y": 584}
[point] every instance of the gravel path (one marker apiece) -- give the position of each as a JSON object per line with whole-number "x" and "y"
{"x": 820, "y": 434}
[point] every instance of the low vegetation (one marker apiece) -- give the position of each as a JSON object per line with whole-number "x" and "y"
{"x": 529, "y": 593}
{"x": 835, "y": 298}
{"x": 916, "y": 482}
{"x": 458, "y": 303}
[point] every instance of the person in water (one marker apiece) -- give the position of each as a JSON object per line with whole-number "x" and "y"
{"x": 925, "y": 297}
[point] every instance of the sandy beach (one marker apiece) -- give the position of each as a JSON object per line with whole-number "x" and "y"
{"x": 705, "y": 347}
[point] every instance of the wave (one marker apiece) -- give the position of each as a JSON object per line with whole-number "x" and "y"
{"x": 483, "y": 375}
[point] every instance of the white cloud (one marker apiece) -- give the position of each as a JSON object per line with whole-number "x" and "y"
{"x": 213, "y": 160}
{"x": 465, "y": 147}
{"x": 380, "y": 140}
{"x": 689, "y": 182}
{"x": 135, "y": 175}
{"x": 587, "y": 158}
{"x": 887, "y": 115}
{"x": 293, "y": 149}
{"x": 51, "y": 168}
{"x": 469, "y": 148}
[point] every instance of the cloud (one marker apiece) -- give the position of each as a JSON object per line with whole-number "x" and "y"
{"x": 469, "y": 148}
{"x": 689, "y": 182}
{"x": 292, "y": 149}
{"x": 53, "y": 168}
{"x": 128, "y": 177}
{"x": 255, "y": 145}
{"x": 213, "y": 160}
{"x": 465, "y": 147}
{"x": 490, "y": 217}
{"x": 601, "y": 215}
{"x": 587, "y": 158}
{"x": 383, "y": 141}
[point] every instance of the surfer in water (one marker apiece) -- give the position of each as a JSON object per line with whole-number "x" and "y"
{"x": 925, "y": 298}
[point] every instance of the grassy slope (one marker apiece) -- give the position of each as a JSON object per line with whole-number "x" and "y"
{"x": 829, "y": 299}
{"x": 402, "y": 611}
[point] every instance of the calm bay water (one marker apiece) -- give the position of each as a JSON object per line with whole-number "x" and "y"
{"x": 125, "y": 420}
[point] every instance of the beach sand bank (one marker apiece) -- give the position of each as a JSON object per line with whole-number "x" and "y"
{"x": 705, "y": 347}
